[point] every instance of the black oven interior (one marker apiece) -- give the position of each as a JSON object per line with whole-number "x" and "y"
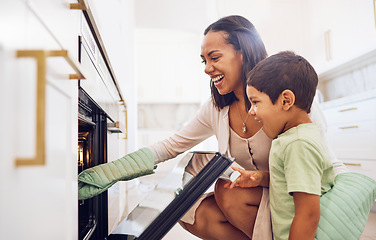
{"x": 92, "y": 147}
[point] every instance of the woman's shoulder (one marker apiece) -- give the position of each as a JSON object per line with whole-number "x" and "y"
{"x": 209, "y": 112}
{"x": 209, "y": 106}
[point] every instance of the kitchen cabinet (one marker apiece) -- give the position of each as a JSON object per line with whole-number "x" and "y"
{"x": 338, "y": 31}
{"x": 354, "y": 140}
{"x": 351, "y": 131}
{"x": 60, "y": 21}
{"x": 38, "y": 170}
{"x": 42, "y": 59}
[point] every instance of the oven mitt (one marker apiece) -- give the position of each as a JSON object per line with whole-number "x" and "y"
{"x": 95, "y": 180}
{"x": 345, "y": 208}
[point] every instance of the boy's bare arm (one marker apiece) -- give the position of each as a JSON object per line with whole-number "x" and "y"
{"x": 307, "y": 216}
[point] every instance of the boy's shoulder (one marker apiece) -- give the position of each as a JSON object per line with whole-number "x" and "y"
{"x": 302, "y": 131}
{"x": 307, "y": 132}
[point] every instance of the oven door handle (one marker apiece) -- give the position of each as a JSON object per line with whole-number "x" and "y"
{"x": 89, "y": 229}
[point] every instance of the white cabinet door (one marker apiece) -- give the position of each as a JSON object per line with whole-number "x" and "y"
{"x": 366, "y": 167}
{"x": 348, "y": 26}
{"x": 60, "y": 20}
{"x": 37, "y": 201}
{"x": 354, "y": 111}
{"x": 351, "y": 132}
{"x": 354, "y": 140}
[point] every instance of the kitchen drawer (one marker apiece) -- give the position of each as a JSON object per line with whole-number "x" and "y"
{"x": 366, "y": 167}
{"x": 61, "y": 21}
{"x": 356, "y": 111}
{"x": 355, "y": 140}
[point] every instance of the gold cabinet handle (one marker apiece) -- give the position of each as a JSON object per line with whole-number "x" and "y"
{"x": 72, "y": 63}
{"x": 126, "y": 124}
{"x": 122, "y": 102}
{"x": 348, "y": 127}
{"x": 40, "y": 56}
{"x": 328, "y": 47}
{"x": 353, "y": 164}
{"x": 348, "y": 109}
{"x": 78, "y": 6}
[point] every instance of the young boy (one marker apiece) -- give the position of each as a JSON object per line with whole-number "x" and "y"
{"x": 281, "y": 89}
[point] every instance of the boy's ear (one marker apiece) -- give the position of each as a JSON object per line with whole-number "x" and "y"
{"x": 287, "y": 99}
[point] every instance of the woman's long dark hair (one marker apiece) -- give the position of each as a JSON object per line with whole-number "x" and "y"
{"x": 243, "y": 36}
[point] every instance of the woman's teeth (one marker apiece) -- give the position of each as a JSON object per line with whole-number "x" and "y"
{"x": 218, "y": 78}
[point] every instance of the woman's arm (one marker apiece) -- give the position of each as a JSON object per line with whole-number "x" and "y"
{"x": 197, "y": 130}
{"x": 307, "y": 216}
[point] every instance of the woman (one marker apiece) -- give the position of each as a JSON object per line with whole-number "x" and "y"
{"x": 230, "y": 49}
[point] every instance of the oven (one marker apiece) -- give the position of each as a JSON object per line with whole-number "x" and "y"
{"x": 92, "y": 146}
{"x": 99, "y": 108}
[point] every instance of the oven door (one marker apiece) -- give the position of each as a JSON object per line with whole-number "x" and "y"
{"x": 162, "y": 208}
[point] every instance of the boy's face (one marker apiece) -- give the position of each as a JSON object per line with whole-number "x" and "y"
{"x": 264, "y": 111}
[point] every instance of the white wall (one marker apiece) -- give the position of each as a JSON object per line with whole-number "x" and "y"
{"x": 168, "y": 45}
{"x": 283, "y": 25}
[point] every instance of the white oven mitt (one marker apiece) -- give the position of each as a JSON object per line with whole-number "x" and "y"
{"x": 98, "y": 179}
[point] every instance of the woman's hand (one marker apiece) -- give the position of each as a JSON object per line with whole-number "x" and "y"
{"x": 249, "y": 179}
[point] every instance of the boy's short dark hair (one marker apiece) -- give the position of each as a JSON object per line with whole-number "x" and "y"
{"x": 285, "y": 70}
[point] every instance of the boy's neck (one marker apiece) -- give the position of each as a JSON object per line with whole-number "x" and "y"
{"x": 295, "y": 117}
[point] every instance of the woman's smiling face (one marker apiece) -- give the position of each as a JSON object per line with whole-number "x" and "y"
{"x": 222, "y": 62}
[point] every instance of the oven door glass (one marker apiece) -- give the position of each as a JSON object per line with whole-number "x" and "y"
{"x": 159, "y": 211}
